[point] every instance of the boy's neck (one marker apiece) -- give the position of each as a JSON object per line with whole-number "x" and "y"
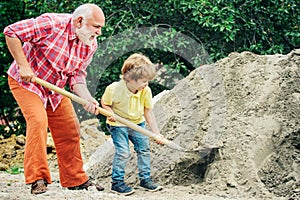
{"x": 130, "y": 88}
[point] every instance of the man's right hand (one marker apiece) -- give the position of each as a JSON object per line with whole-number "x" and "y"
{"x": 14, "y": 45}
{"x": 26, "y": 73}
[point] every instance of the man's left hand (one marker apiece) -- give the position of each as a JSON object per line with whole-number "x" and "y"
{"x": 92, "y": 107}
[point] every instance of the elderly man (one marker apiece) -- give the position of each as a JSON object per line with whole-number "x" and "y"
{"x": 56, "y": 48}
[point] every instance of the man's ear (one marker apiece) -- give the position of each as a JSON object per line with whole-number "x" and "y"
{"x": 78, "y": 22}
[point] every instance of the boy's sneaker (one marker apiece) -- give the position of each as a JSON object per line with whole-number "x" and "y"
{"x": 120, "y": 187}
{"x": 149, "y": 185}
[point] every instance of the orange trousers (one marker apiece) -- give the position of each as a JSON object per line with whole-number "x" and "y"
{"x": 65, "y": 129}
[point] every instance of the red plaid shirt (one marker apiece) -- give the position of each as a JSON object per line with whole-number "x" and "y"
{"x": 54, "y": 53}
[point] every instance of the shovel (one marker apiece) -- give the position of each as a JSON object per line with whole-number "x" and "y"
{"x": 106, "y": 113}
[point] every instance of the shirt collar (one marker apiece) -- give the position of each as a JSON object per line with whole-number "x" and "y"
{"x": 71, "y": 29}
{"x": 127, "y": 91}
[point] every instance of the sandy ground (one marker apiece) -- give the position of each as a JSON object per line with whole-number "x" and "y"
{"x": 13, "y": 188}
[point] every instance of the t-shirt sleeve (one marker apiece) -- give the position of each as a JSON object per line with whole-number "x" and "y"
{"x": 148, "y": 98}
{"x": 107, "y": 96}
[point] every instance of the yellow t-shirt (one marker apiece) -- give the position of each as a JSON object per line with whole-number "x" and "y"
{"x": 126, "y": 104}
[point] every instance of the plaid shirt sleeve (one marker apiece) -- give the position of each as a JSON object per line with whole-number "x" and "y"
{"x": 80, "y": 76}
{"x": 30, "y": 30}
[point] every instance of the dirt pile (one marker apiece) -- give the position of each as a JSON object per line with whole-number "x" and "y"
{"x": 263, "y": 109}
{"x": 12, "y": 153}
{"x": 246, "y": 104}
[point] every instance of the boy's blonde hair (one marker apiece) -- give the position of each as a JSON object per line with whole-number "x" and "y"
{"x": 137, "y": 66}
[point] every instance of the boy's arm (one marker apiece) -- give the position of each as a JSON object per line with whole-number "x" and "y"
{"x": 108, "y": 108}
{"x": 151, "y": 120}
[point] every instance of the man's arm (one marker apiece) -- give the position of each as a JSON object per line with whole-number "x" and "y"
{"x": 15, "y": 47}
{"x": 82, "y": 91}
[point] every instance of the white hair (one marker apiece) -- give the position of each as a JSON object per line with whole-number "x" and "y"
{"x": 84, "y": 10}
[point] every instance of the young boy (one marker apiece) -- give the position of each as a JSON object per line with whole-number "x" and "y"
{"x": 131, "y": 98}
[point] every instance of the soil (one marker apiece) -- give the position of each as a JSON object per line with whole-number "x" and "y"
{"x": 244, "y": 109}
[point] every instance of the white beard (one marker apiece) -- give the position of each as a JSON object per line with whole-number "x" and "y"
{"x": 85, "y": 35}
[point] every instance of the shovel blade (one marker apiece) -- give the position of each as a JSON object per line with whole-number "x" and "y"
{"x": 202, "y": 152}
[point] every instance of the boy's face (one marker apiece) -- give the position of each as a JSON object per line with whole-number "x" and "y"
{"x": 139, "y": 84}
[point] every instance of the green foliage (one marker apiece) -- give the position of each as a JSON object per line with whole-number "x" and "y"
{"x": 170, "y": 32}
{"x": 15, "y": 169}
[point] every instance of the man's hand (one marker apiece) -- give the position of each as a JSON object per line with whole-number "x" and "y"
{"x": 92, "y": 106}
{"x": 26, "y": 73}
{"x": 15, "y": 47}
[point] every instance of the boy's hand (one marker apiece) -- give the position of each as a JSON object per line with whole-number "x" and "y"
{"x": 111, "y": 118}
{"x": 160, "y": 139}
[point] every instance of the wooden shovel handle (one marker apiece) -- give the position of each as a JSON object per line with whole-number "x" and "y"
{"x": 102, "y": 111}
{"x": 70, "y": 95}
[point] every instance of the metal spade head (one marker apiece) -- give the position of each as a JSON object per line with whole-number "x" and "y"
{"x": 204, "y": 151}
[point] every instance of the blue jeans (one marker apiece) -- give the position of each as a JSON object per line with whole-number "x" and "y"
{"x": 121, "y": 136}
